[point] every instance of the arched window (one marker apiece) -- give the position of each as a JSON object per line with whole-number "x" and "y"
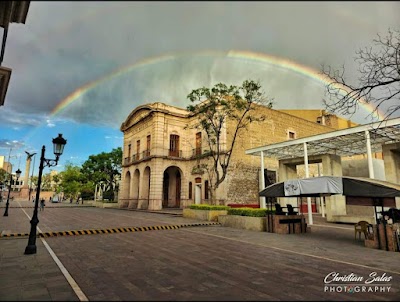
{"x": 206, "y": 189}
{"x": 190, "y": 190}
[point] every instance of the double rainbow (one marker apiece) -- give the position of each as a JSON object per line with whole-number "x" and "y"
{"x": 243, "y": 55}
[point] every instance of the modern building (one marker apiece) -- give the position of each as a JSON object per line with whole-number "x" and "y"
{"x": 163, "y": 156}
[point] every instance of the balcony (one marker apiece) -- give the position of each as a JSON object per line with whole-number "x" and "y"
{"x": 195, "y": 153}
{"x": 127, "y": 161}
{"x": 145, "y": 154}
{"x": 198, "y": 153}
{"x": 174, "y": 153}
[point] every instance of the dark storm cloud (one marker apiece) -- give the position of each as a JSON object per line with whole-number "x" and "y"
{"x": 65, "y": 45}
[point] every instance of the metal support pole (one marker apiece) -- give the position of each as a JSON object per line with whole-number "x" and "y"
{"x": 369, "y": 155}
{"x": 30, "y": 185}
{"x": 309, "y": 208}
{"x": 31, "y": 247}
{"x": 9, "y": 187}
{"x": 8, "y": 196}
{"x": 262, "y": 203}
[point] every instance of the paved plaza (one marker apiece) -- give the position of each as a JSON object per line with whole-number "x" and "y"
{"x": 165, "y": 257}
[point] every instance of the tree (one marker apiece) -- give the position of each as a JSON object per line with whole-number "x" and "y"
{"x": 216, "y": 107}
{"x": 3, "y": 175}
{"x": 104, "y": 167}
{"x": 56, "y": 180}
{"x": 3, "y": 179}
{"x": 72, "y": 180}
{"x": 46, "y": 182}
{"x": 379, "y": 80}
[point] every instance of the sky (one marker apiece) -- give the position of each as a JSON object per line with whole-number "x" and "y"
{"x": 80, "y": 68}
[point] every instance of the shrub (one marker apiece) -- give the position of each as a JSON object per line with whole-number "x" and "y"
{"x": 109, "y": 195}
{"x": 252, "y": 212}
{"x": 208, "y": 207}
{"x": 87, "y": 195}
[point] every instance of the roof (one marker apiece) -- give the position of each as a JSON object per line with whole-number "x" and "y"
{"x": 13, "y": 12}
{"x": 5, "y": 74}
{"x": 332, "y": 185}
{"x": 345, "y": 142}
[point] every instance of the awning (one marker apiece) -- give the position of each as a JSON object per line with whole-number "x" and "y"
{"x": 332, "y": 185}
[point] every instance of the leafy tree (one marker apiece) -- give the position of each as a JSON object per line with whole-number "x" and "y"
{"x": 379, "y": 80}
{"x": 56, "y": 180}
{"x": 3, "y": 175}
{"x": 46, "y": 182}
{"x": 214, "y": 108}
{"x": 104, "y": 167}
{"x": 34, "y": 181}
{"x": 72, "y": 180}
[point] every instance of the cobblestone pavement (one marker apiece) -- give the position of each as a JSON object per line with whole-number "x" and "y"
{"x": 194, "y": 263}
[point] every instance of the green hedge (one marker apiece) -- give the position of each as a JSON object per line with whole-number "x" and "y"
{"x": 249, "y": 212}
{"x": 208, "y": 207}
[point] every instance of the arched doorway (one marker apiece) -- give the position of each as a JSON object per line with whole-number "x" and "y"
{"x": 127, "y": 186}
{"x": 172, "y": 187}
{"x": 135, "y": 185}
{"x": 145, "y": 192}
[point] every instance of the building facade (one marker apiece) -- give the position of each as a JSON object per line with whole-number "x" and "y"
{"x": 163, "y": 154}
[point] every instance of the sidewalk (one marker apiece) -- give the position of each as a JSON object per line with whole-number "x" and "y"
{"x": 28, "y": 277}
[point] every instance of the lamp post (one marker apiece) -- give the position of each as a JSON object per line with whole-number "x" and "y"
{"x": 33, "y": 168}
{"x": 58, "y": 145}
{"x": 18, "y": 174}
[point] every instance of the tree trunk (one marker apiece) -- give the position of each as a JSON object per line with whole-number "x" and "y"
{"x": 213, "y": 194}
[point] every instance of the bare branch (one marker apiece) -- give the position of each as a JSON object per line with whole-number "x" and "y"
{"x": 379, "y": 79}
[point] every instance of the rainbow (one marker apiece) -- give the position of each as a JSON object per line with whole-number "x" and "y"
{"x": 243, "y": 55}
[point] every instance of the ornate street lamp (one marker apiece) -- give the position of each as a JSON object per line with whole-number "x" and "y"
{"x": 58, "y": 145}
{"x": 18, "y": 174}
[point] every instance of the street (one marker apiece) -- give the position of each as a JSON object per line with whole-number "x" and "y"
{"x": 187, "y": 263}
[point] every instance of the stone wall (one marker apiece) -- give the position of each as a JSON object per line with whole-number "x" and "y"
{"x": 246, "y": 168}
{"x": 242, "y": 182}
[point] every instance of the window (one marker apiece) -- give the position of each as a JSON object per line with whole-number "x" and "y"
{"x": 148, "y": 145}
{"x": 206, "y": 189}
{"x": 292, "y": 135}
{"x": 129, "y": 150}
{"x": 137, "y": 149}
{"x": 190, "y": 190}
{"x": 174, "y": 145}
{"x": 198, "y": 143}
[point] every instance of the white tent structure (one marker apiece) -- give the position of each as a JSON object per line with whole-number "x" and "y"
{"x": 364, "y": 139}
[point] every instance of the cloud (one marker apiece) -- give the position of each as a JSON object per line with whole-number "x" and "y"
{"x": 11, "y": 144}
{"x": 50, "y": 124}
{"x": 63, "y": 47}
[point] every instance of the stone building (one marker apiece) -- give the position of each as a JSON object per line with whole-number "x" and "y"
{"x": 163, "y": 153}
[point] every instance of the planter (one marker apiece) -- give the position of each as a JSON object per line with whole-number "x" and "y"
{"x": 243, "y": 222}
{"x": 208, "y": 215}
{"x": 239, "y": 205}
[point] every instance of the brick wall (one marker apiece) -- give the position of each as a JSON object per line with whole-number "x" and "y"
{"x": 243, "y": 180}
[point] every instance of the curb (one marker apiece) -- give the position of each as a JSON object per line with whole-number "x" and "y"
{"x": 109, "y": 231}
{"x": 49, "y": 207}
